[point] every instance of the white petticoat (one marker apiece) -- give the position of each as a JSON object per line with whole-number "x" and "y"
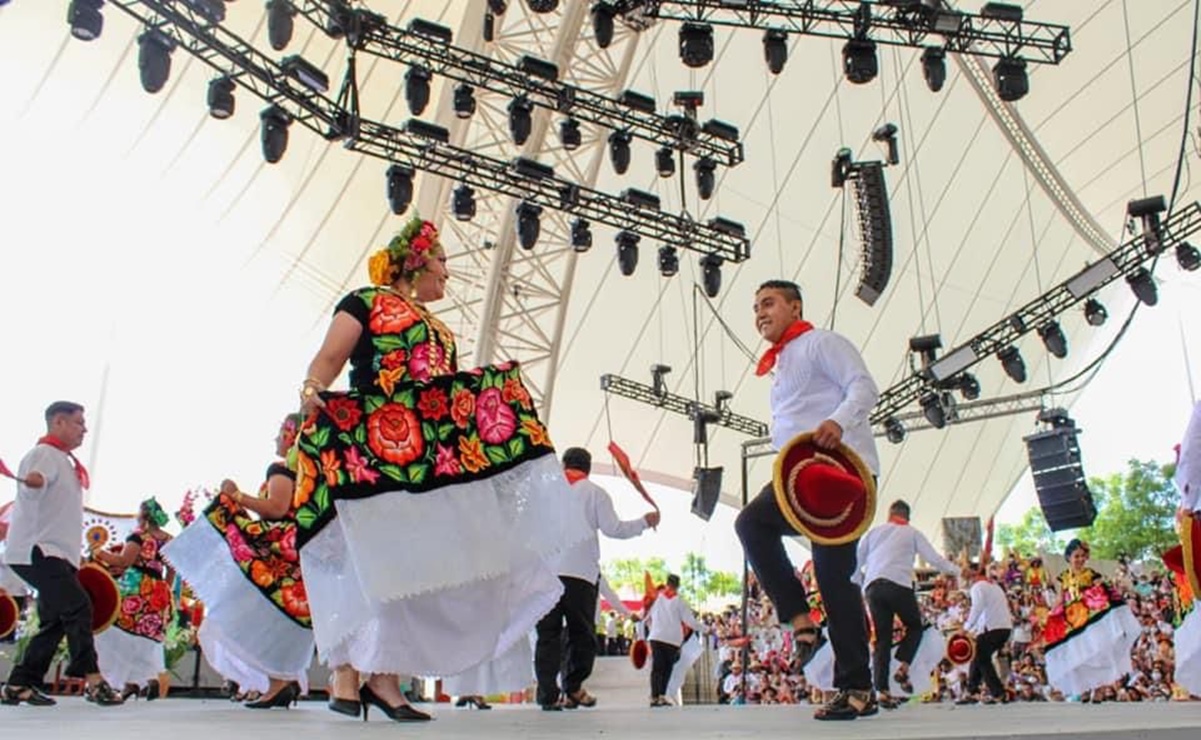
{"x": 1188, "y": 652}
{"x": 437, "y": 583}
{"x": 512, "y": 671}
{"x": 1098, "y": 655}
{"x": 930, "y": 652}
{"x": 819, "y": 671}
{"x": 126, "y": 658}
{"x": 244, "y": 636}
{"x": 690, "y": 651}
{"x": 10, "y": 582}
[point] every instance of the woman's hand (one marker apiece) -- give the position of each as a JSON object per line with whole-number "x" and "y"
{"x": 310, "y": 395}
{"x": 229, "y": 488}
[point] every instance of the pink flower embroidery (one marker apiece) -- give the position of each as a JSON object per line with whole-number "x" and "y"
{"x": 237, "y": 545}
{"x": 496, "y": 420}
{"x": 287, "y": 544}
{"x": 359, "y": 469}
{"x": 1095, "y": 598}
{"x": 132, "y": 604}
{"x": 150, "y": 625}
{"x": 447, "y": 462}
{"x": 423, "y": 359}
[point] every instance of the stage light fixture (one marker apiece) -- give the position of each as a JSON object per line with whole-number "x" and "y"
{"x": 1187, "y": 256}
{"x": 1010, "y": 79}
{"x": 400, "y": 188}
{"x": 87, "y": 23}
{"x": 520, "y": 121}
{"x": 711, "y": 274}
{"x": 417, "y": 88}
{"x": 280, "y": 23}
{"x": 569, "y": 134}
{"x": 934, "y": 67}
{"x": 602, "y": 23}
{"x": 1013, "y": 364}
{"x": 706, "y": 180}
{"x": 221, "y": 97}
{"x": 775, "y": 49}
{"x": 274, "y": 132}
{"x": 665, "y": 161}
{"x": 464, "y": 101}
{"x": 627, "y": 251}
{"x": 154, "y": 59}
{"x": 658, "y": 385}
{"x": 619, "y": 151}
{"x": 305, "y": 72}
{"x": 933, "y": 410}
{"x": 969, "y": 387}
{"x": 1054, "y": 339}
{"x": 859, "y": 61}
{"x": 669, "y": 260}
{"x": 212, "y": 11}
{"x": 1143, "y": 285}
{"x": 1095, "y": 313}
{"x": 489, "y": 27}
{"x": 543, "y": 6}
{"x": 581, "y": 235}
{"x": 428, "y": 30}
{"x": 529, "y": 224}
{"x": 462, "y": 202}
{"x": 696, "y": 44}
{"x": 894, "y": 430}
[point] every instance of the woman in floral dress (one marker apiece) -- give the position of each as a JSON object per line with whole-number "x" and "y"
{"x": 429, "y": 501}
{"x": 246, "y": 569}
{"x": 130, "y": 653}
{"x": 1090, "y": 632}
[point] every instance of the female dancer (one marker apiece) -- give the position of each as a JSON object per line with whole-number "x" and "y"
{"x": 257, "y": 630}
{"x": 1090, "y": 632}
{"x": 131, "y": 653}
{"x": 429, "y": 500}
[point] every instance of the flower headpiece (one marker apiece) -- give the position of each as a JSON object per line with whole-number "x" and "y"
{"x": 154, "y": 512}
{"x": 406, "y": 255}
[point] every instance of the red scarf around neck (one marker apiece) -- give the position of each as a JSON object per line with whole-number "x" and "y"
{"x": 897, "y": 520}
{"x": 574, "y": 476}
{"x": 794, "y": 330}
{"x": 80, "y": 471}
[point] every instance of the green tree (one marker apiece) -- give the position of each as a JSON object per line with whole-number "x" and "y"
{"x": 694, "y": 578}
{"x": 724, "y": 583}
{"x": 629, "y": 572}
{"x": 1030, "y": 535}
{"x": 1136, "y": 512}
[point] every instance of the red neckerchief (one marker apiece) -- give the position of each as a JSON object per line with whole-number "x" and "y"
{"x": 574, "y": 476}
{"x": 794, "y": 330}
{"x": 897, "y": 520}
{"x": 80, "y": 471}
{"x": 669, "y": 592}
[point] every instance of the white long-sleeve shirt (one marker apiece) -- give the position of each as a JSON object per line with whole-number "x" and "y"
{"x": 50, "y": 517}
{"x": 888, "y": 550}
{"x": 583, "y": 559}
{"x": 818, "y": 376}
{"x": 668, "y": 617}
{"x": 1188, "y": 470}
{"x": 990, "y": 609}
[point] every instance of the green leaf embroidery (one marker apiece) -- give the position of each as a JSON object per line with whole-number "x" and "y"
{"x": 321, "y": 497}
{"x": 417, "y": 473}
{"x": 305, "y": 517}
{"x": 387, "y": 342}
{"x": 371, "y": 404}
{"x": 321, "y": 437}
{"x": 394, "y": 472}
{"x": 416, "y": 334}
{"x": 406, "y": 398}
{"x": 444, "y": 431}
{"x": 427, "y": 430}
{"x": 516, "y": 447}
{"x": 496, "y": 454}
{"x": 360, "y": 434}
{"x": 345, "y": 439}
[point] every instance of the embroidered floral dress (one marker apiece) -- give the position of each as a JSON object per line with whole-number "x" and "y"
{"x": 1089, "y": 634}
{"x": 428, "y": 502}
{"x": 131, "y": 651}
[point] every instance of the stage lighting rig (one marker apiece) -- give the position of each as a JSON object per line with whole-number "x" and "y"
{"x": 682, "y": 405}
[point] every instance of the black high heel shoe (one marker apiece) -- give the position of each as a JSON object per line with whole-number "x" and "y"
{"x": 285, "y": 698}
{"x": 402, "y": 713}
{"x": 349, "y": 707}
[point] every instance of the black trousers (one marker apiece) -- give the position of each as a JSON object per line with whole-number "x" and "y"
{"x": 762, "y": 529}
{"x": 663, "y": 658}
{"x": 64, "y": 610}
{"x": 576, "y": 608}
{"x": 987, "y": 644}
{"x": 885, "y": 600}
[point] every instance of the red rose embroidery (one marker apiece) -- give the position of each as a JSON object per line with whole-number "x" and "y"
{"x": 515, "y": 391}
{"x": 296, "y": 600}
{"x": 496, "y": 420}
{"x": 390, "y": 314}
{"x": 394, "y": 359}
{"x": 394, "y": 434}
{"x": 433, "y": 404}
{"x": 344, "y": 412}
{"x": 462, "y": 408}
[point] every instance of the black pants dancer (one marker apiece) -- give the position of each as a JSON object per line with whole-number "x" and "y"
{"x": 885, "y": 600}
{"x": 761, "y": 527}
{"x": 576, "y": 608}
{"x": 987, "y": 645}
{"x": 64, "y": 610}
{"x": 663, "y": 658}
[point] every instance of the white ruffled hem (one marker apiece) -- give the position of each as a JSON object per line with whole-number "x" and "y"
{"x": 440, "y": 582}
{"x": 1098, "y": 655}
{"x": 512, "y": 671}
{"x": 1188, "y": 652}
{"x": 126, "y": 658}
{"x": 930, "y": 652}
{"x": 242, "y": 629}
{"x": 819, "y": 671}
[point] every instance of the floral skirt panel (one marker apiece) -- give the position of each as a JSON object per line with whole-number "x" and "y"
{"x": 1070, "y": 618}
{"x": 145, "y": 605}
{"x": 419, "y": 437}
{"x": 266, "y": 553}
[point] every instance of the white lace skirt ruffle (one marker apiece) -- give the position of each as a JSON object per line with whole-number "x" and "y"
{"x": 930, "y": 652}
{"x": 1188, "y": 652}
{"x": 244, "y": 636}
{"x": 1098, "y": 655}
{"x": 126, "y": 658}
{"x": 440, "y": 582}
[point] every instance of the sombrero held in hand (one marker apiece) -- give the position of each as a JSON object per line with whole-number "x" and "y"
{"x": 829, "y": 495}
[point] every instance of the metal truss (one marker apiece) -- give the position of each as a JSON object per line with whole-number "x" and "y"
{"x": 1123, "y": 261}
{"x": 911, "y": 23}
{"x": 961, "y": 413}
{"x": 547, "y": 91}
{"x": 682, "y": 405}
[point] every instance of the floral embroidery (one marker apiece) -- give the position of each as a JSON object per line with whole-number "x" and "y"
{"x": 145, "y": 596}
{"x": 1085, "y": 598}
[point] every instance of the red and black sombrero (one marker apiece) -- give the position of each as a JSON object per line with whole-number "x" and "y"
{"x": 961, "y": 648}
{"x": 827, "y": 495}
{"x": 9, "y": 614}
{"x": 102, "y": 591}
{"x": 1183, "y": 558}
{"x": 639, "y": 651}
